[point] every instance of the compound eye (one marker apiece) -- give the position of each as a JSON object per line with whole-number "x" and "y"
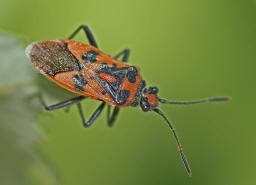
{"x": 144, "y": 104}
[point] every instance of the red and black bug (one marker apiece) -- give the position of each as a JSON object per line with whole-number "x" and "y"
{"x": 87, "y": 71}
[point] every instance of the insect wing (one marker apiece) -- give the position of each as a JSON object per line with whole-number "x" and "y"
{"x": 62, "y": 65}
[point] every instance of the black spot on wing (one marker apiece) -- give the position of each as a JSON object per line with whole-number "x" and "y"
{"x": 122, "y": 97}
{"x": 79, "y": 82}
{"x": 131, "y": 74}
{"x": 90, "y": 56}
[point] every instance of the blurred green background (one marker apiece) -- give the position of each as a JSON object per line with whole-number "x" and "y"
{"x": 190, "y": 50}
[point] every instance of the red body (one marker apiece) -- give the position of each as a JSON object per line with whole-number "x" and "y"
{"x": 84, "y": 69}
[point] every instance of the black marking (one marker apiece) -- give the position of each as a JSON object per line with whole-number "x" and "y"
{"x": 91, "y": 77}
{"x": 79, "y": 81}
{"x": 80, "y": 65}
{"x": 103, "y": 92}
{"x": 122, "y": 97}
{"x": 103, "y": 67}
{"x": 113, "y": 88}
{"x": 131, "y": 74}
{"x": 90, "y": 56}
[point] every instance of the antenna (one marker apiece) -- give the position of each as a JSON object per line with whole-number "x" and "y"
{"x": 205, "y": 100}
{"x": 158, "y": 111}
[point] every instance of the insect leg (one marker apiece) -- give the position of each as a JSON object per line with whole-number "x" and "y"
{"x": 125, "y": 53}
{"x": 112, "y": 119}
{"x": 61, "y": 104}
{"x": 88, "y": 34}
{"x": 93, "y": 117}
